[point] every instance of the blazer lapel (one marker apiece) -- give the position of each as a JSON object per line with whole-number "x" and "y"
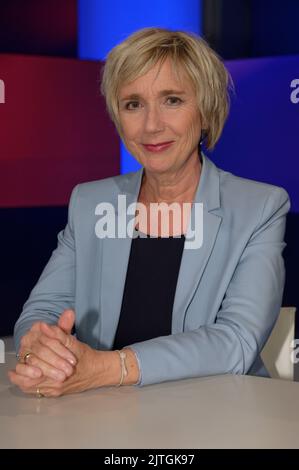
{"x": 115, "y": 256}
{"x": 116, "y": 251}
{"x": 194, "y": 260}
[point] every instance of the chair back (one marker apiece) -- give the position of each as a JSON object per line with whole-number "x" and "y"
{"x": 277, "y": 351}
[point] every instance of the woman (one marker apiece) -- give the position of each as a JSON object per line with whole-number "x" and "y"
{"x": 148, "y": 305}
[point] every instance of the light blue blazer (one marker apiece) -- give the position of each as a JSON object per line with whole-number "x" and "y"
{"x": 229, "y": 290}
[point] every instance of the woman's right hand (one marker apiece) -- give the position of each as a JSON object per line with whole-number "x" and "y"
{"x": 44, "y": 355}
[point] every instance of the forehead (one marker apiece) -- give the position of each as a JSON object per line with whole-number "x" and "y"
{"x": 161, "y": 76}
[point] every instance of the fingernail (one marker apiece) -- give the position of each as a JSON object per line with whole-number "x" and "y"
{"x": 71, "y": 361}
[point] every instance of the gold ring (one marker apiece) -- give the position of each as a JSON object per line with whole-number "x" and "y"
{"x": 25, "y": 357}
{"x": 39, "y": 394}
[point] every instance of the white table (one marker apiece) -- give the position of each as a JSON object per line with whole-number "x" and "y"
{"x": 211, "y": 412}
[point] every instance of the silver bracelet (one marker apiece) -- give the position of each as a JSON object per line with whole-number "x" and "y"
{"x": 124, "y": 371}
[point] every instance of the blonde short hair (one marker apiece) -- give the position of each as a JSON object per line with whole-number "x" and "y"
{"x": 145, "y": 48}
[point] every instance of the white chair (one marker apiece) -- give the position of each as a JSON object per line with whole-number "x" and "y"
{"x": 277, "y": 351}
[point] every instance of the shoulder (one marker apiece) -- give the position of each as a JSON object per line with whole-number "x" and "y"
{"x": 104, "y": 190}
{"x": 105, "y": 186}
{"x": 248, "y": 195}
{"x": 241, "y": 201}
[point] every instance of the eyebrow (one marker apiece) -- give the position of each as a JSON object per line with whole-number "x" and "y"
{"x": 135, "y": 96}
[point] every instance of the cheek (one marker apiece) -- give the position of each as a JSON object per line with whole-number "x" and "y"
{"x": 191, "y": 131}
{"x": 188, "y": 124}
{"x": 128, "y": 127}
{"x": 131, "y": 139}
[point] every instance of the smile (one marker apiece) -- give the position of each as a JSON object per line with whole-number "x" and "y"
{"x": 157, "y": 147}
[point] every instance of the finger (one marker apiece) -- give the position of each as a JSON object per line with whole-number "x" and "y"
{"x": 63, "y": 359}
{"x": 36, "y": 326}
{"x": 54, "y": 332}
{"x": 67, "y": 321}
{"x": 48, "y": 350}
{"x": 28, "y": 339}
{"x": 58, "y": 348}
{"x": 47, "y": 387}
{"x": 26, "y": 384}
{"x": 71, "y": 344}
{"x": 68, "y": 341}
{"x": 41, "y": 350}
{"x": 47, "y": 369}
{"x": 51, "y": 388}
{"x": 28, "y": 371}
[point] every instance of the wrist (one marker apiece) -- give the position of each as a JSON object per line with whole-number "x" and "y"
{"x": 108, "y": 370}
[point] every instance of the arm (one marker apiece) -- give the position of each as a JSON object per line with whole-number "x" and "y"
{"x": 49, "y": 358}
{"x": 58, "y": 363}
{"x": 245, "y": 319}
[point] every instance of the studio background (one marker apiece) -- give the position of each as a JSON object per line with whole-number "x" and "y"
{"x": 55, "y": 132}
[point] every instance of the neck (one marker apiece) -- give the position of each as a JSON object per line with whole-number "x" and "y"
{"x": 179, "y": 186}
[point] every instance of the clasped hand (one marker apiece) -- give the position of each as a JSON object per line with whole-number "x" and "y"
{"x": 56, "y": 362}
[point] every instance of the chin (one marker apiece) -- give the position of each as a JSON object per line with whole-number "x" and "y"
{"x": 156, "y": 163}
{"x": 158, "y": 168}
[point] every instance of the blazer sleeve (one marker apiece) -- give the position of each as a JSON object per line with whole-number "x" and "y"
{"x": 245, "y": 319}
{"x": 55, "y": 289}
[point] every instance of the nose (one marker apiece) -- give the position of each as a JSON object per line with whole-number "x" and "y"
{"x": 153, "y": 121}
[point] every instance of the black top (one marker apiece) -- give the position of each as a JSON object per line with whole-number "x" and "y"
{"x": 149, "y": 291}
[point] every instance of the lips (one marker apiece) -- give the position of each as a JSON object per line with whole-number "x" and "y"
{"x": 158, "y": 147}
